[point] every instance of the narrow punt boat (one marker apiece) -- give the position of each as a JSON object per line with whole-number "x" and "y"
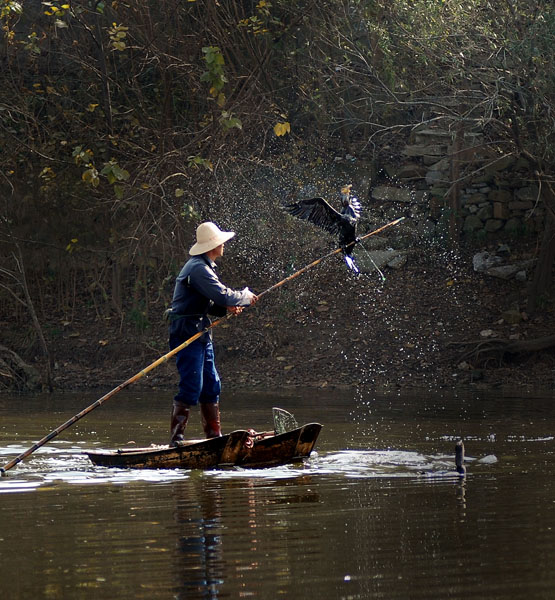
{"x": 242, "y": 448}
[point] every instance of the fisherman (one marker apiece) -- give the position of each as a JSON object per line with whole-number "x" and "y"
{"x": 199, "y": 292}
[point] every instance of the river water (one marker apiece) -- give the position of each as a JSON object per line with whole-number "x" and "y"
{"x": 376, "y": 512}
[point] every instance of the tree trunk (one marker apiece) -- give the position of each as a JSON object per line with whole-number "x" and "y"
{"x": 454, "y": 201}
{"x": 543, "y": 275}
{"x": 35, "y": 320}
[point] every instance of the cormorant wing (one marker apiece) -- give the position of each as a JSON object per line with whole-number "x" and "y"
{"x": 317, "y": 211}
{"x": 355, "y": 207}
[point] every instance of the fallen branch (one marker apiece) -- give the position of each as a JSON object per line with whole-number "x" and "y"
{"x": 481, "y": 352}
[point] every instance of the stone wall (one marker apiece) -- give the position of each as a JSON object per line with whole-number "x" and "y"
{"x": 495, "y": 193}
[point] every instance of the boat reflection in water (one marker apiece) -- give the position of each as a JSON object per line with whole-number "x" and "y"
{"x": 206, "y": 552}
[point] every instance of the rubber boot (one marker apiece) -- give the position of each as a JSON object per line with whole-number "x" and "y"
{"x": 180, "y": 416}
{"x": 210, "y": 414}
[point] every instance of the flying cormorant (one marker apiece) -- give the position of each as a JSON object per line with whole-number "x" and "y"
{"x": 342, "y": 224}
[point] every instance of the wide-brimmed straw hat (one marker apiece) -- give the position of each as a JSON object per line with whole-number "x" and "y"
{"x": 209, "y": 236}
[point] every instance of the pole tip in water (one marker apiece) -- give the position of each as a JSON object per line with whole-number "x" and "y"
{"x": 3, "y": 472}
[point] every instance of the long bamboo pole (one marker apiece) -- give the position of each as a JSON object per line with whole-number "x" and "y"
{"x": 167, "y": 356}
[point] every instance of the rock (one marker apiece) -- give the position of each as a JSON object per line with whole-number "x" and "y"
{"x": 520, "y": 205}
{"x": 398, "y": 262}
{"x": 433, "y": 177}
{"x": 483, "y": 261}
{"x": 426, "y": 229}
{"x": 503, "y": 271}
{"x": 485, "y": 213}
{"x": 527, "y": 194}
{"x": 427, "y": 136}
{"x": 500, "y": 210}
{"x": 408, "y": 171}
{"x": 439, "y": 192}
{"x": 376, "y": 259}
{"x": 513, "y": 224}
{"x": 392, "y": 194}
{"x": 509, "y": 271}
{"x": 472, "y": 223}
{"x": 476, "y": 198}
{"x": 426, "y": 150}
{"x": 420, "y": 196}
{"x": 442, "y": 165}
{"x": 504, "y": 163}
{"x": 493, "y": 225}
{"x": 487, "y": 333}
{"x": 500, "y": 196}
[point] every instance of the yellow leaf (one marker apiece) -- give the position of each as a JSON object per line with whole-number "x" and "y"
{"x": 145, "y": 186}
{"x": 91, "y": 107}
{"x": 282, "y": 128}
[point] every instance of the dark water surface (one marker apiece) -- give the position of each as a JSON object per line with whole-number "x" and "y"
{"x": 377, "y": 512}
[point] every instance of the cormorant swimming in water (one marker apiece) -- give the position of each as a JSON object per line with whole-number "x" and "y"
{"x": 459, "y": 458}
{"x": 343, "y": 223}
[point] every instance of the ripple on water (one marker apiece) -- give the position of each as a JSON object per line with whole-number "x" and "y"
{"x": 69, "y": 465}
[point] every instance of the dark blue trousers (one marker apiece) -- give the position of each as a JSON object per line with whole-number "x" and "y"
{"x": 198, "y": 378}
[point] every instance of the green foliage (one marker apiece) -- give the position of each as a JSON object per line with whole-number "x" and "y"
{"x": 262, "y": 21}
{"x": 198, "y": 161}
{"x": 143, "y": 93}
{"x": 114, "y": 173}
{"x": 118, "y": 34}
{"x": 10, "y": 8}
{"x": 228, "y": 121}
{"x": 82, "y": 157}
{"x": 214, "y": 75}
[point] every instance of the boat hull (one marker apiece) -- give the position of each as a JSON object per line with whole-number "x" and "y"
{"x": 280, "y": 449}
{"x": 240, "y": 448}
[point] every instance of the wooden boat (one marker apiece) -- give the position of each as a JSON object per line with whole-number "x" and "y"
{"x": 242, "y": 448}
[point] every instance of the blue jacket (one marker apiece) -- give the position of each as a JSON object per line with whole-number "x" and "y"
{"x": 199, "y": 292}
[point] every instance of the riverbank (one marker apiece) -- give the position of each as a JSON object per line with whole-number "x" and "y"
{"x": 329, "y": 329}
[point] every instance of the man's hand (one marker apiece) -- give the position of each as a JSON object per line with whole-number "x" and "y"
{"x": 235, "y": 310}
{"x": 251, "y": 296}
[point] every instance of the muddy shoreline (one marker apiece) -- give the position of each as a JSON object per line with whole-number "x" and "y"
{"x": 329, "y": 331}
